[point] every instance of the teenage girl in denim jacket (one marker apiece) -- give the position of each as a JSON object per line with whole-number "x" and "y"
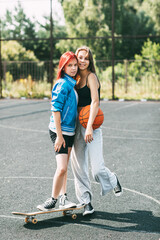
{"x": 62, "y": 128}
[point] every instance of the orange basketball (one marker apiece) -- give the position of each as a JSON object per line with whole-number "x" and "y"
{"x": 84, "y": 116}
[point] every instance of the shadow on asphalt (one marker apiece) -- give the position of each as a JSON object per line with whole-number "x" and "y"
{"x": 133, "y": 221}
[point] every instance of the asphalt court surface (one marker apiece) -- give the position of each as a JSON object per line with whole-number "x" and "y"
{"x": 131, "y": 139}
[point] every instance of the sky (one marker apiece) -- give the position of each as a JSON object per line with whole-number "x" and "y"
{"x": 36, "y": 8}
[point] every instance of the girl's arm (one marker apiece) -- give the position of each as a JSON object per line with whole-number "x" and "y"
{"x": 59, "y": 140}
{"x": 93, "y": 84}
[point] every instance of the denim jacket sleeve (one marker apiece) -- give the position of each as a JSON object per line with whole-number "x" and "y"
{"x": 59, "y": 96}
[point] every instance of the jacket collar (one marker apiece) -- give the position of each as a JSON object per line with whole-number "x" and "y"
{"x": 71, "y": 81}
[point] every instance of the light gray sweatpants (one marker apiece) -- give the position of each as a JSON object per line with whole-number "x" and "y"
{"x": 81, "y": 153}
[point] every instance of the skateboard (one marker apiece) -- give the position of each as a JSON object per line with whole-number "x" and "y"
{"x": 31, "y": 217}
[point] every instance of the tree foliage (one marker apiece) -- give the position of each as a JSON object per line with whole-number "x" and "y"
{"x": 87, "y": 18}
{"x": 41, "y": 47}
{"x": 146, "y": 65}
{"x": 152, "y": 9}
{"x": 16, "y": 25}
{"x": 13, "y": 51}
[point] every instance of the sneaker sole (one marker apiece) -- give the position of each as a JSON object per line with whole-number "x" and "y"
{"x": 118, "y": 194}
{"x": 80, "y": 205}
{"x": 88, "y": 212}
{"x": 44, "y": 209}
{"x": 68, "y": 206}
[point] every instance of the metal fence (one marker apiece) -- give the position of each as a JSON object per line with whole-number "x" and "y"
{"x": 121, "y": 87}
{"x": 23, "y": 69}
{"x": 134, "y": 79}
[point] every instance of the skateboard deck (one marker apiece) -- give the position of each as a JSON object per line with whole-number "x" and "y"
{"x": 31, "y": 217}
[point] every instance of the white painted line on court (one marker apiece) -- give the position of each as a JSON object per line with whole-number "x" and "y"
{"x": 27, "y": 177}
{"x": 92, "y": 225}
{"x": 142, "y": 194}
{"x": 105, "y": 136}
{"x": 130, "y": 122}
{"x": 127, "y": 138}
{"x": 71, "y": 179}
{"x": 126, "y": 106}
{"x": 128, "y": 130}
{"x": 5, "y": 216}
{"x": 23, "y": 129}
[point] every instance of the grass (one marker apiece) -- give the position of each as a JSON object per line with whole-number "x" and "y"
{"x": 146, "y": 89}
{"x": 26, "y": 88}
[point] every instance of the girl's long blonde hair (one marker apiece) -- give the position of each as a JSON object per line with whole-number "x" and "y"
{"x": 91, "y": 66}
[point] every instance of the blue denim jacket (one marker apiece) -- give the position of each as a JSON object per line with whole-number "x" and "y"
{"x": 64, "y": 101}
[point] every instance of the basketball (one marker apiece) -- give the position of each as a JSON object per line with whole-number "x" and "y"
{"x": 84, "y": 116}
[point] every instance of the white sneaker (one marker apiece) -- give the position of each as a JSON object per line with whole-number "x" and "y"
{"x": 48, "y": 205}
{"x": 118, "y": 190}
{"x": 88, "y": 209}
{"x": 65, "y": 203}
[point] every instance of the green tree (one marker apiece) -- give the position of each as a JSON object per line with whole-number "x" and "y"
{"x": 147, "y": 62}
{"x": 152, "y": 9}
{"x": 131, "y": 20}
{"x": 86, "y": 19}
{"x": 41, "y": 47}
{"x": 13, "y": 51}
{"x": 93, "y": 18}
{"x": 150, "y": 51}
{"x": 16, "y": 25}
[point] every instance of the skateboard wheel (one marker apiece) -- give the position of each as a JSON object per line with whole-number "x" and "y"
{"x": 26, "y": 220}
{"x": 34, "y": 220}
{"x": 64, "y": 213}
{"x": 74, "y": 216}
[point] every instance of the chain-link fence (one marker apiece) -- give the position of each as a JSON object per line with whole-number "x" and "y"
{"x": 123, "y": 79}
{"x": 134, "y": 79}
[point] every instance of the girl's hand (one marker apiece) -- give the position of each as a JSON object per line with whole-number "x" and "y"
{"x": 89, "y": 134}
{"x": 58, "y": 143}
